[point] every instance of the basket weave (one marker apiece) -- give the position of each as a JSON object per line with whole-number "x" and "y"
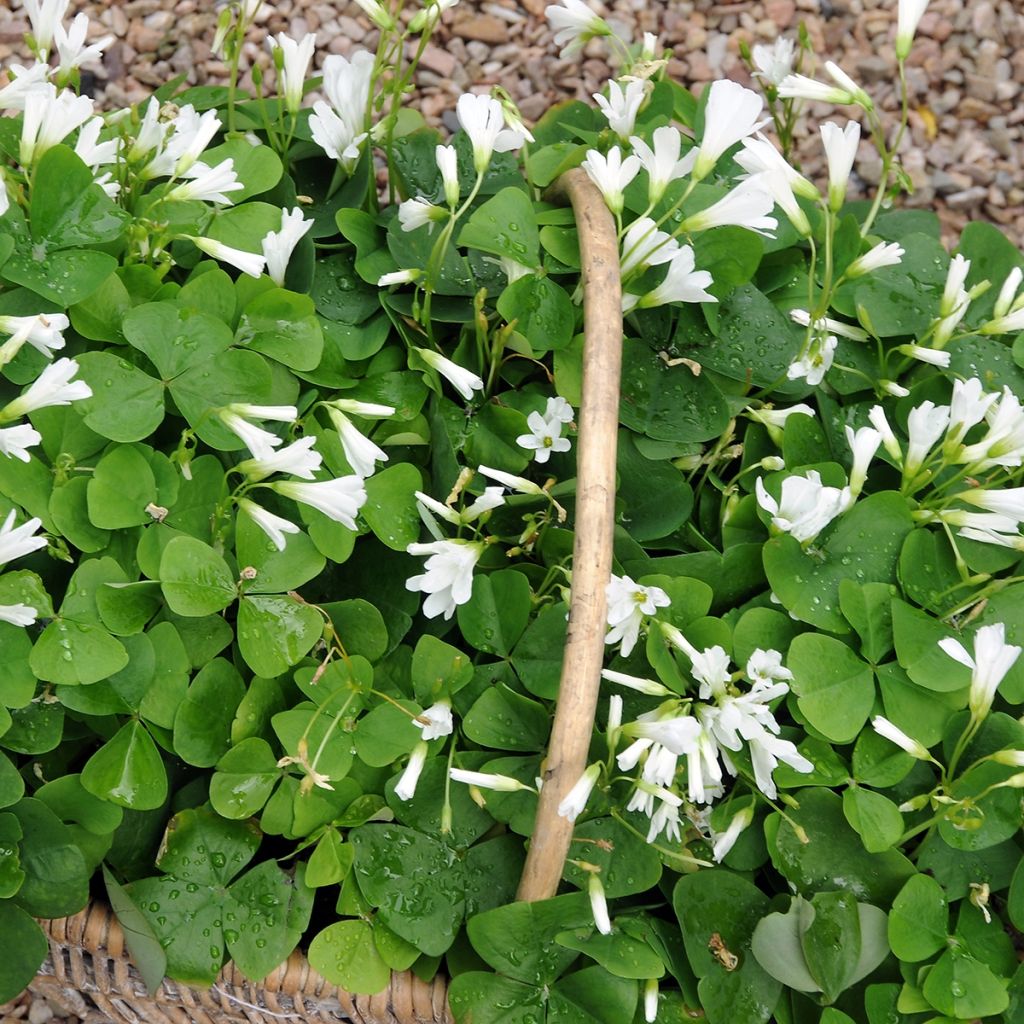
{"x": 88, "y": 956}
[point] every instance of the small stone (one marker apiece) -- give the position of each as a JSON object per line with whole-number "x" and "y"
{"x": 482, "y": 27}
{"x": 39, "y": 1012}
{"x": 781, "y": 12}
{"x": 966, "y": 199}
{"x": 437, "y": 60}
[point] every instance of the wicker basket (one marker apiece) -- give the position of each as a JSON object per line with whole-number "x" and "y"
{"x": 89, "y": 972}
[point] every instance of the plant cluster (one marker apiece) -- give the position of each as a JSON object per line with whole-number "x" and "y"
{"x": 288, "y": 490}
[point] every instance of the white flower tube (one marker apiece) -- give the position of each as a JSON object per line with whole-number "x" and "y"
{"x": 485, "y": 780}
{"x": 208, "y": 184}
{"x": 863, "y": 444}
{"x": 732, "y": 113}
{"x": 725, "y": 841}
{"x": 297, "y": 459}
{"x": 18, "y": 614}
{"x": 436, "y": 721}
{"x": 682, "y": 283}
{"x": 417, "y": 212}
{"x": 16, "y": 541}
{"x": 274, "y": 526}
{"x": 44, "y": 16}
{"x": 746, "y": 206}
{"x": 598, "y": 904}
{"x": 24, "y": 82}
{"x": 611, "y": 174}
{"x": 575, "y": 24}
{"x": 662, "y": 163}
{"x": 448, "y": 165}
{"x": 464, "y": 381}
{"x": 42, "y": 331}
{"x": 49, "y": 118}
{"x": 339, "y": 499}
{"x": 250, "y": 263}
{"x": 840, "y": 152}
{"x": 483, "y": 120}
{"x": 406, "y": 786}
{"x": 621, "y": 106}
{"x": 54, "y": 386}
{"x": 773, "y": 62}
{"x": 71, "y": 48}
{"x": 925, "y": 425}
{"x": 360, "y": 452}
{"x": 993, "y": 658}
{"x": 576, "y": 799}
{"x": 294, "y": 59}
{"x": 894, "y": 734}
{"x": 278, "y": 246}
{"x": 806, "y": 506}
{"x": 885, "y": 254}
{"x": 16, "y": 441}
{"x": 643, "y": 246}
{"x": 908, "y": 16}
{"x": 335, "y": 135}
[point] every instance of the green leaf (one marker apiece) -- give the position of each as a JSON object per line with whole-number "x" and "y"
{"x": 271, "y": 910}
{"x": 275, "y": 633}
{"x": 72, "y": 802}
{"x": 128, "y": 770}
{"x": 346, "y": 955}
{"x": 656, "y": 496}
{"x": 147, "y": 954}
{"x": 425, "y": 810}
{"x": 506, "y": 226}
{"x": 497, "y": 612}
{"x": 868, "y": 608}
{"x": 537, "y": 658}
{"x": 76, "y": 652}
{"x": 259, "y": 168}
{"x": 542, "y": 311}
{"x": 961, "y": 987}
{"x": 330, "y": 861}
{"x": 12, "y": 785}
{"x": 776, "y": 943}
{"x": 386, "y": 733}
{"x": 202, "y": 726}
{"x": 391, "y": 865}
{"x": 836, "y": 690}
{"x": 618, "y": 953}
{"x": 281, "y": 325}
{"x": 176, "y": 338}
{"x": 244, "y": 778}
{"x": 831, "y": 942}
{"x": 25, "y": 949}
{"x": 126, "y": 404}
{"x": 276, "y": 571}
{"x": 519, "y": 940}
{"x": 863, "y": 545}
{"x": 195, "y": 580}
{"x": 917, "y": 637}
{"x": 390, "y": 509}
{"x": 875, "y": 818}
{"x": 56, "y": 876}
{"x": 478, "y": 996}
{"x": 505, "y": 720}
{"x": 919, "y": 919}
{"x": 438, "y": 670}
{"x": 121, "y": 488}
{"x": 628, "y": 865}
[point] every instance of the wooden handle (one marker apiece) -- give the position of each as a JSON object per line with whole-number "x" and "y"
{"x": 595, "y": 521}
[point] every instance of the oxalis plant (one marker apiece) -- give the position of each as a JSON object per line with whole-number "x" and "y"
{"x": 287, "y": 498}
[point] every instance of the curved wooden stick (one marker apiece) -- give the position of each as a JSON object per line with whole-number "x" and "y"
{"x": 595, "y": 521}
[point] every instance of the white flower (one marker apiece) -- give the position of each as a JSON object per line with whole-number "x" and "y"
{"x": 298, "y": 459}
{"x": 885, "y": 254}
{"x": 515, "y": 483}
{"x": 448, "y": 165}
{"x": 662, "y": 163}
{"x": 260, "y": 442}
{"x": 192, "y": 133}
{"x": 18, "y": 614}
{"x": 406, "y": 787}
{"x": 91, "y": 151}
{"x": 294, "y": 59}
{"x": 682, "y": 284}
{"x": 840, "y": 152}
{"x": 493, "y": 497}
{"x": 483, "y": 120}
{"x": 598, "y": 904}
{"x": 1008, "y": 300}
{"x": 435, "y": 721}
{"x": 732, "y": 113}
{"x": 676, "y": 733}
{"x": 576, "y": 799}
{"x": 765, "y": 667}
{"x": 428, "y": 16}
{"x": 815, "y": 360}
{"x": 414, "y": 213}
{"x": 748, "y": 206}
{"x": 1003, "y": 442}
{"x": 334, "y": 135}
{"x": 628, "y": 603}
{"x": 647, "y": 686}
{"x": 250, "y": 263}
{"x": 71, "y": 46}
{"x": 778, "y": 185}
{"x": 16, "y": 441}
{"x": 993, "y": 658}
{"x": 773, "y": 62}
{"x": 925, "y": 425}
{"x": 208, "y": 184}
{"x": 42, "y": 331}
{"x": 759, "y": 154}
{"x": 953, "y": 293}
{"x": 575, "y": 24}
{"x": 278, "y": 246}
{"x": 399, "y": 277}
{"x": 45, "y": 17}
{"x": 1008, "y": 501}
{"x": 876, "y": 416}
{"x": 377, "y": 13}
{"x": 544, "y": 437}
{"x": 49, "y": 118}
{"x": 484, "y": 780}
{"x": 448, "y": 579}
{"x": 711, "y": 668}
{"x": 614, "y": 718}
{"x": 558, "y": 409}
{"x": 370, "y": 410}
{"x": 934, "y": 357}
{"x": 150, "y": 134}
{"x": 360, "y": 452}
{"x": 464, "y": 381}
{"x": 863, "y": 443}
{"x": 643, "y": 246}
{"x": 891, "y": 387}
{"x": 846, "y": 91}
{"x": 16, "y": 541}
{"x": 775, "y": 419}
{"x": 725, "y": 841}
{"x": 908, "y": 16}
{"x": 806, "y": 505}
{"x": 896, "y": 735}
{"x": 53, "y": 386}
{"x": 620, "y": 106}
{"x": 611, "y": 174}
{"x": 339, "y": 499}
{"x": 24, "y": 82}
{"x": 274, "y": 526}
{"x": 347, "y": 83}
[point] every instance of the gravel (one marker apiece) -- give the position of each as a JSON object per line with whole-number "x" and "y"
{"x": 963, "y": 151}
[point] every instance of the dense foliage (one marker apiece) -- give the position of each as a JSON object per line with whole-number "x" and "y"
{"x": 287, "y": 490}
